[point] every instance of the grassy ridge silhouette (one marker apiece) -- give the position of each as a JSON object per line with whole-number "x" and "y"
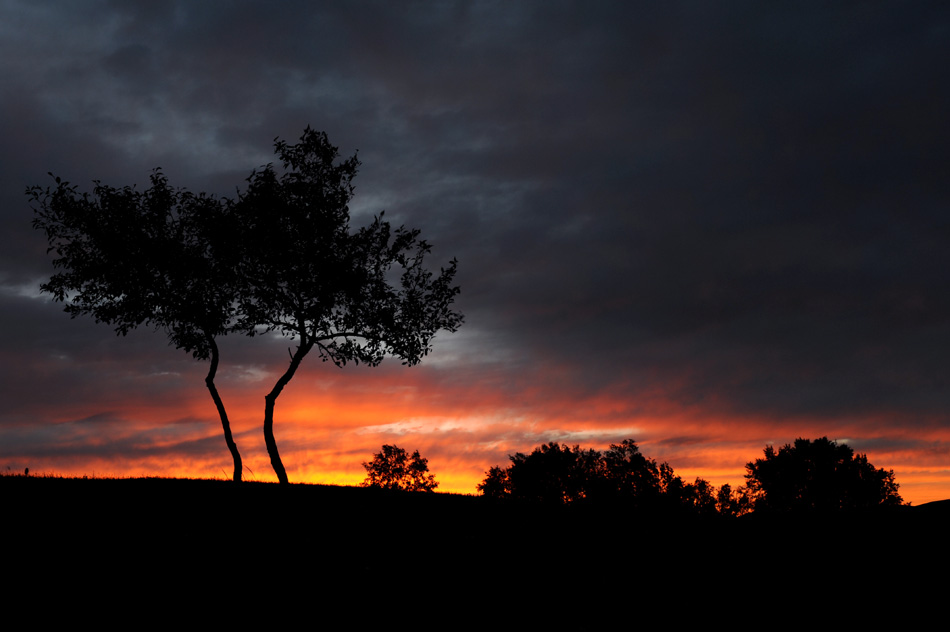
{"x": 501, "y": 565}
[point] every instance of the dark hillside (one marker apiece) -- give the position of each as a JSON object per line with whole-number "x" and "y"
{"x": 299, "y": 543}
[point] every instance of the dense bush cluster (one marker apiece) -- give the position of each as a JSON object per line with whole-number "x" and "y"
{"x": 820, "y": 476}
{"x": 815, "y": 475}
{"x": 558, "y": 474}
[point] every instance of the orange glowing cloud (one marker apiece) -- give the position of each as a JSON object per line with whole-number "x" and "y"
{"x": 329, "y": 421}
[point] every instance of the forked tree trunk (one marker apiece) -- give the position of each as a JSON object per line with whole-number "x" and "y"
{"x": 209, "y": 381}
{"x": 269, "y": 402}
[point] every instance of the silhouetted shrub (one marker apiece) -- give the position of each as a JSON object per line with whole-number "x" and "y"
{"x": 820, "y": 476}
{"x": 394, "y": 468}
{"x": 555, "y": 474}
{"x": 496, "y": 484}
{"x": 733, "y": 502}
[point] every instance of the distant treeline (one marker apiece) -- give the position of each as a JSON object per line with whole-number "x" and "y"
{"x": 812, "y": 476}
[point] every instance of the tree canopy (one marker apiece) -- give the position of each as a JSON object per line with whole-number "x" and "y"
{"x": 281, "y": 257}
{"x": 129, "y": 257}
{"x": 394, "y": 468}
{"x": 352, "y": 296}
{"x": 819, "y": 475}
{"x": 554, "y": 474}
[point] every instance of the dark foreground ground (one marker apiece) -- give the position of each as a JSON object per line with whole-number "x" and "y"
{"x": 352, "y": 558}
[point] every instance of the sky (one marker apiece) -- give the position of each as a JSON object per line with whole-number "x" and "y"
{"x": 707, "y": 227}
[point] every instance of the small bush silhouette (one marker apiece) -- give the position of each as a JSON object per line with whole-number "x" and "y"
{"x": 394, "y": 468}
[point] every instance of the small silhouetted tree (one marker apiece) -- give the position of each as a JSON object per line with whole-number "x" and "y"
{"x": 394, "y": 468}
{"x": 350, "y": 296}
{"x": 733, "y": 502}
{"x": 702, "y": 496}
{"x": 631, "y": 475}
{"x": 496, "y": 484}
{"x": 129, "y": 257}
{"x": 675, "y": 493}
{"x": 818, "y": 475}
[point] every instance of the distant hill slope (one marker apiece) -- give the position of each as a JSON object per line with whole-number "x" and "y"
{"x": 270, "y": 544}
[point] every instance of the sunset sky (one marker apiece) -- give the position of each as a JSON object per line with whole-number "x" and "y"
{"x": 705, "y": 226}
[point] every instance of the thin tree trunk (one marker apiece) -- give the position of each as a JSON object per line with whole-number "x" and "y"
{"x": 270, "y": 400}
{"x": 209, "y": 381}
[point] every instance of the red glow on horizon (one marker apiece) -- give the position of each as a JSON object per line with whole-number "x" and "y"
{"x": 327, "y": 424}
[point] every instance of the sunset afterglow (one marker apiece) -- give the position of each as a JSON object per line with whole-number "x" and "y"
{"x": 706, "y": 228}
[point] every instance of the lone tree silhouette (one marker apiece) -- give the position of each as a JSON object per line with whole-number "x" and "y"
{"x": 352, "y": 296}
{"x": 818, "y": 475}
{"x": 394, "y": 468}
{"x": 281, "y": 257}
{"x": 130, "y": 257}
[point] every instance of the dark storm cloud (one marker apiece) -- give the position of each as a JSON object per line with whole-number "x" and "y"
{"x": 740, "y": 208}
{"x": 786, "y": 230}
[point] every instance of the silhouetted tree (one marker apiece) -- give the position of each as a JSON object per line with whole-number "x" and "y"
{"x": 307, "y": 276}
{"x": 130, "y": 257}
{"x": 394, "y": 468}
{"x": 279, "y": 258}
{"x": 675, "y": 493}
{"x": 818, "y": 475}
{"x": 550, "y": 474}
{"x": 702, "y": 496}
{"x": 558, "y": 474}
{"x": 672, "y": 487}
{"x": 496, "y": 484}
{"x": 631, "y": 475}
{"x": 733, "y": 503}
